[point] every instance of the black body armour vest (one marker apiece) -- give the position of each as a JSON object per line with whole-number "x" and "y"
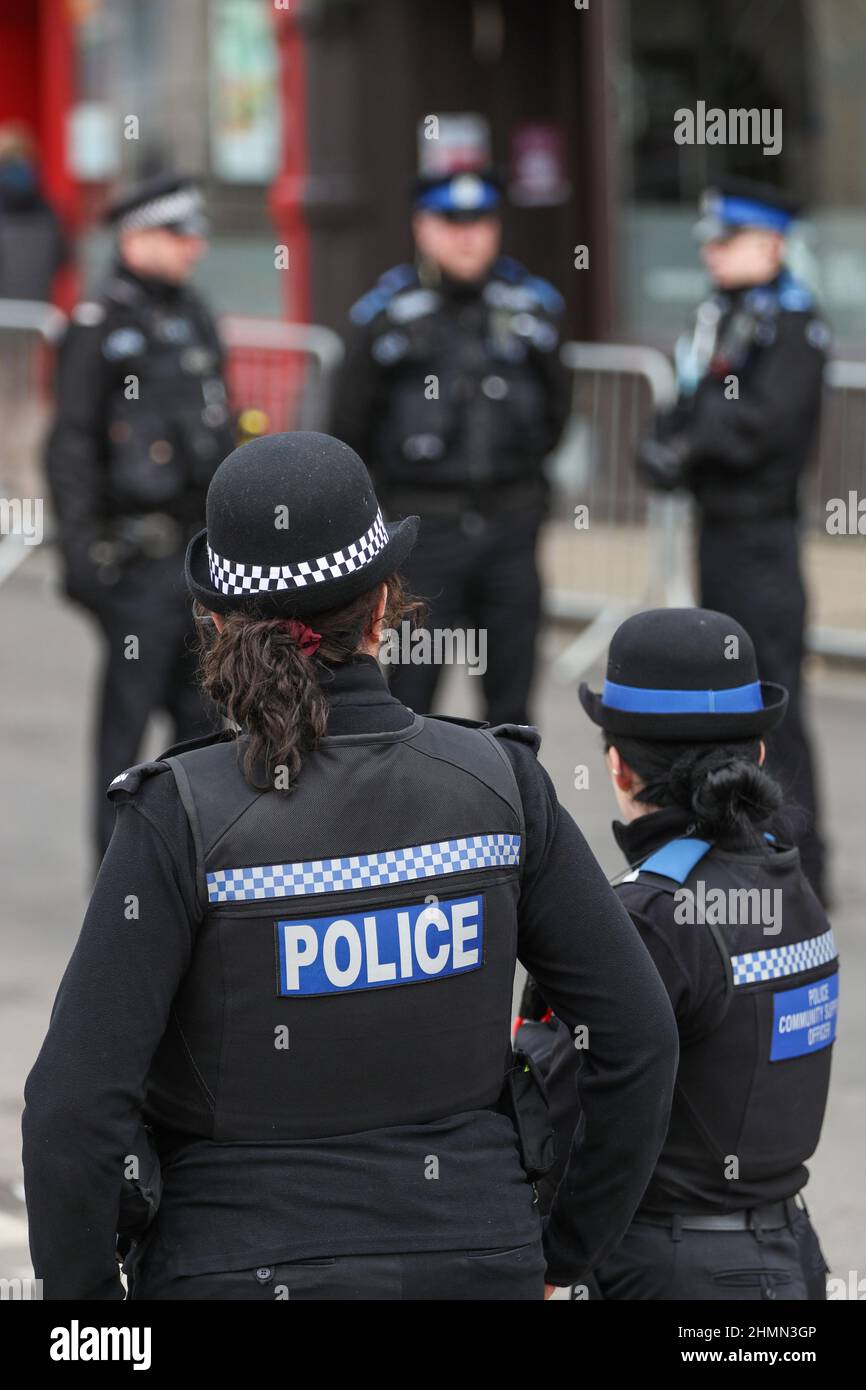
{"x": 752, "y": 1084}
{"x": 355, "y": 964}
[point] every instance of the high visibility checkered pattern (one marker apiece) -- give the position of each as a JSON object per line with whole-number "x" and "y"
{"x": 232, "y": 578}
{"x": 364, "y": 870}
{"x": 777, "y": 961}
{"x": 164, "y": 210}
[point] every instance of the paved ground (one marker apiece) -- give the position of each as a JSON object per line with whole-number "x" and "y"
{"x": 49, "y": 667}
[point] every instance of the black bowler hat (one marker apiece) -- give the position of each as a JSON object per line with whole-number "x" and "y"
{"x": 173, "y": 201}
{"x": 670, "y": 675}
{"x": 293, "y": 528}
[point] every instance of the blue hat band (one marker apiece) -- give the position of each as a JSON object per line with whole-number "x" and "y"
{"x": 743, "y": 212}
{"x": 741, "y": 699}
{"x": 441, "y": 198}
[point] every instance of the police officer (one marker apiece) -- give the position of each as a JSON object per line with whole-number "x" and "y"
{"x": 746, "y": 954}
{"x": 453, "y": 389}
{"x": 142, "y": 422}
{"x": 311, "y": 1012}
{"x": 740, "y": 438}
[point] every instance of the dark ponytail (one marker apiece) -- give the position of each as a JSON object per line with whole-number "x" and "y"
{"x": 722, "y": 787}
{"x": 255, "y": 671}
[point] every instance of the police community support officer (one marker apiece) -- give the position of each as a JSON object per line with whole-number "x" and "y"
{"x": 142, "y": 422}
{"x": 453, "y": 390}
{"x": 746, "y": 954}
{"x": 740, "y": 438}
{"x": 322, "y": 1045}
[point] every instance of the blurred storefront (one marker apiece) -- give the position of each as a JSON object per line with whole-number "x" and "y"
{"x": 804, "y": 57}
{"x": 301, "y": 117}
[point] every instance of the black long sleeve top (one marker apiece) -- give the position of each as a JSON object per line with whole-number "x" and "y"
{"x": 85, "y": 1093}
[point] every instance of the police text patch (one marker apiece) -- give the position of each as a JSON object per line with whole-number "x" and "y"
{"x": 804, "y": 1019}
{"x": 371, "y": 950}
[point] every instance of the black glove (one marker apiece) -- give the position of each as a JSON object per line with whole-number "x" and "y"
{"x": 662, "y": 465}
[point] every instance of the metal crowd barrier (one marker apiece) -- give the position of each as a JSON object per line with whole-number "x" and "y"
{"x": 28, "y": 331}
{"x": 637, "y": 549}
{"x": 836, "y": 564}
{"x": 611, "y": 548}
{"x": 284, "y": 370}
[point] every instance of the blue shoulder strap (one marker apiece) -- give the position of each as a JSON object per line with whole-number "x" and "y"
{"x": 676, "y": 859}
{"x": 378, "y": 298}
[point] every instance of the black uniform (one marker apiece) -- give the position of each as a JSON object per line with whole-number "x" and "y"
{"x": 323, "y": 1131}
{"x": 454, "y": 394}
{"x": 743, "y": 458}
{"x": 142, "y": 422}
{"x": 755, "y": 1002}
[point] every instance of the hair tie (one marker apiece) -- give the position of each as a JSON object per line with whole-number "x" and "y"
{"x": 308, "y": 640}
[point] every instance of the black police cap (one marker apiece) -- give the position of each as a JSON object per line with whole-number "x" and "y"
{"x": 173, "y": 201}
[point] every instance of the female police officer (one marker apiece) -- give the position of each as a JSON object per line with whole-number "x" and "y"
{"x": 297, "y": 963}
{"x": 746, "y": 954}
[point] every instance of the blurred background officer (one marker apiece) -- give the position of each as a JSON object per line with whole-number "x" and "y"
{"x": 142, "y": 422}
{"x": 322, "y": 1046}
{"x": 453, "y": 390}
{"x": 32, "y": 243}
{"x": 740, "y": 438}
{"x": 746, "y": 954}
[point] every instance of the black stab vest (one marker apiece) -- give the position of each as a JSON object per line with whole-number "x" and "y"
{"x": 354, "y": 966}
{"x": 752, "y": 1086}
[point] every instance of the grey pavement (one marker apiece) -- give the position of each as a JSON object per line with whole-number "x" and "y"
{"x": 49, "y": 668}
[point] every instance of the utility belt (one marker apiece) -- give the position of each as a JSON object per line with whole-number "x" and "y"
{"x": 492, "y": 500}
{"x": 771, "y": 1216}
{"x": 153, "y": 534}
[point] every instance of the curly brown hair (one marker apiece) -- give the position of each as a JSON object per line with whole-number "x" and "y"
{"x": 255, "y": 671}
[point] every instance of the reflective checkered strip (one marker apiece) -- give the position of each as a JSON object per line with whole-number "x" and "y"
{"x": 364, "y": 870}
{"x": 777, "y": 961}
{"x": 232, "y": 578}
{"x": 162, "y": 211}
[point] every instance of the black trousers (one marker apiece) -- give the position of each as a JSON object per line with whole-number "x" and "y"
{"x": 149, "y": 665}
{"x": 751, "y": 570}
{"x": 670, "y": 1262}
{"x": 482, "y": 574}
{"x": 482, "y": 1275}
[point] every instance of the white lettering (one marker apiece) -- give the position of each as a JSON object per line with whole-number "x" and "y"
{"x": 342, "y": 930}
{"x": 430, "y": 917}
{"x": 294, "y": 934}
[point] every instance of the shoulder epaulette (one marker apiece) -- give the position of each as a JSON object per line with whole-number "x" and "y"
{"x": 130, "y": 781}
{"x": 399, "y": 277}
{"x": 676, "y": 859}
{"x": 521, "y": 733}
{"x": 795, "y": 296}
{"x": 88, "y": 314}
{"x": 506, "y": 268}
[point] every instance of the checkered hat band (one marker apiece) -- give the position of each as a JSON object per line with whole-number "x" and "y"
{"x": 777, "y": 961}
{"x": 364, "y": 870}
{"x": 231, "y": 578}
{"x": 162, "y": 211}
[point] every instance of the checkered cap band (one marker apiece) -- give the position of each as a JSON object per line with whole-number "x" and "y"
{"x": 494, "y": 851}
{"x": 231, "y": 578}
{"x": 164, "y": 210}
{"x": 776, "y": 961}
